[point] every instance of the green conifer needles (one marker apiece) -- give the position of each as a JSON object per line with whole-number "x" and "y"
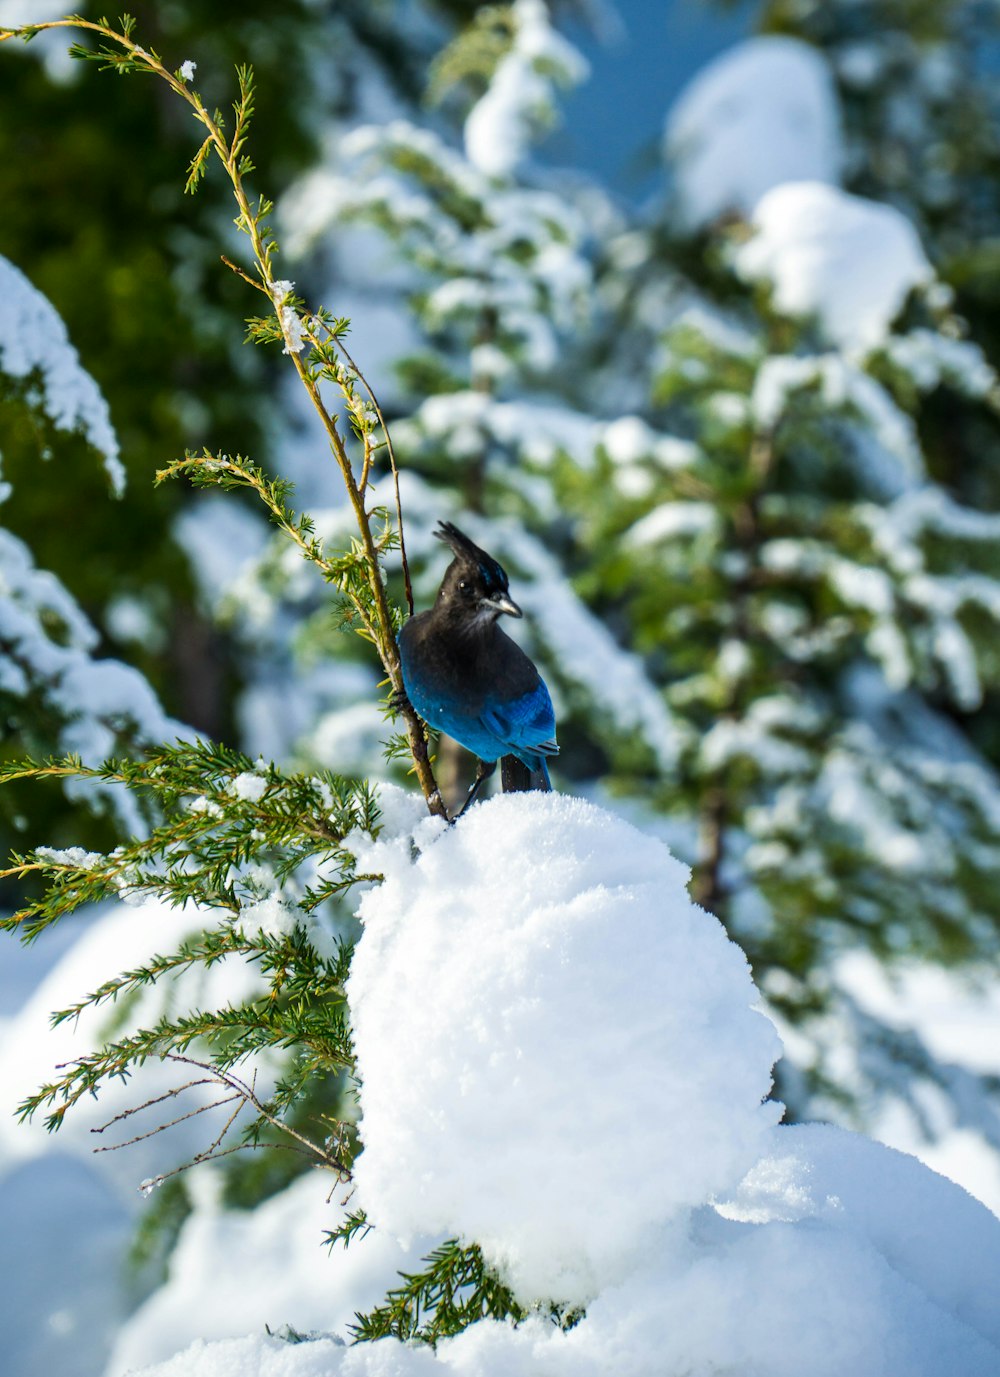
{"x": 255, "y": 857}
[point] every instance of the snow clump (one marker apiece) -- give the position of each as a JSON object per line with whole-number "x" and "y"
{"x": 33, "y": 339}
{"x": 763, "y": 113}
{"x": 836, "y": 1256}
{"x": 849, "y": 262}
{"x": 559, "y": 1051}
{"x": 561, "y": 1059}
{"x": 520, "y": 95}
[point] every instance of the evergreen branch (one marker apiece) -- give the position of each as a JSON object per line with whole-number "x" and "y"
{"x": 353, "y": 1224}
{"x": 227, "y": 1078}
{"x": 124, "y": 55}
{"x": 236, "y": 1032}
{"x": 454, "y": 1290}
{"x": 198, "y": 166}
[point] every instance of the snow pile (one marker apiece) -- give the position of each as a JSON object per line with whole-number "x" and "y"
{"x": 519, "y": 100}
{"x": 849, "y": 262}
{"x": 762, "y": 114}
{"x": 558, "y": 1050}
{"x": 33, "y": 339}
{"x": 561, "y": 1059}
{"x": 835, "y": 1256}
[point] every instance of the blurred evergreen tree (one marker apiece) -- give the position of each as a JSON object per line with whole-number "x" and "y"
{"x": 918, "y": 92}
{"x": 782, "y": 629}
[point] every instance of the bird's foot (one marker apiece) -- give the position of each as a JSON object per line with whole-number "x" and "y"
{"x": 399, "y": 702}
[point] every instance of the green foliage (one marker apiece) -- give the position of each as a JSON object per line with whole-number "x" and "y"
{"x": 814, "y": 610}
{"x": 230, "y": 837}
{"x": 454, "y": 1290}
{"x": 471, "y": 58}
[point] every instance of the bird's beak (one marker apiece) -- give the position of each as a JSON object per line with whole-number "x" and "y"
{"x": 502, "y": 603}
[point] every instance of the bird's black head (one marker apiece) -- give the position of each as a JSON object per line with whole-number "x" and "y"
{"x": 475, "y": 586}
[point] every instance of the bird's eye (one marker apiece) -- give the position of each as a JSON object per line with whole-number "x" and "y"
{"x": 463, "y": 586}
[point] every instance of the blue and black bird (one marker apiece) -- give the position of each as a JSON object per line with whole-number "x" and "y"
{"x": 466, "y": 677}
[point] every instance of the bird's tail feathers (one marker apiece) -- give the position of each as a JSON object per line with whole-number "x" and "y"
{"x": 518, "y": 778}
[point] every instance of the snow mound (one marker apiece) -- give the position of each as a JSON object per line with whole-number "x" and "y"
{"x": 927, "y": 1229}
{"x": 561, "y": 1060}
{"x": 761, "y": 114}
{"x": 849, "y": 262}
{"x": 558, "y": 1050}
{"x": 836, "y": 1256}
{"x": 33, "y": 338}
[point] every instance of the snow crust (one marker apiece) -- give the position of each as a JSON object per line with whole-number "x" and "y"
{"x": 33, "y": 339}
{"x": 849, "y": 262}
{"x": 763, "y": 113}
{"x": 531, "y": 1001}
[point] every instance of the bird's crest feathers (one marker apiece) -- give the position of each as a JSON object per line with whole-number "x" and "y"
{"x": 492, "y": 573}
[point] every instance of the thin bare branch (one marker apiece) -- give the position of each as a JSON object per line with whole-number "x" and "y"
{"x": 339, "y": 344}
{"x": 181, "y": 1118}
{"x": 234, "y": 1082}
{"x": 147, "y": 1104}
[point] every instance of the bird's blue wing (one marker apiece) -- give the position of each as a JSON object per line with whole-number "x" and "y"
{"x": 527, "y": 723}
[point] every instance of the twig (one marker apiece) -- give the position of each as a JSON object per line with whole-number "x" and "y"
{"x": 207, "y": 1156}
{"x": 240, "y": 272}
{"x": 148, "y": 1104}
{"x": 339, "y": 344}
{"x": 161, "y": 1128}
{"x": 235, "y": 1083}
